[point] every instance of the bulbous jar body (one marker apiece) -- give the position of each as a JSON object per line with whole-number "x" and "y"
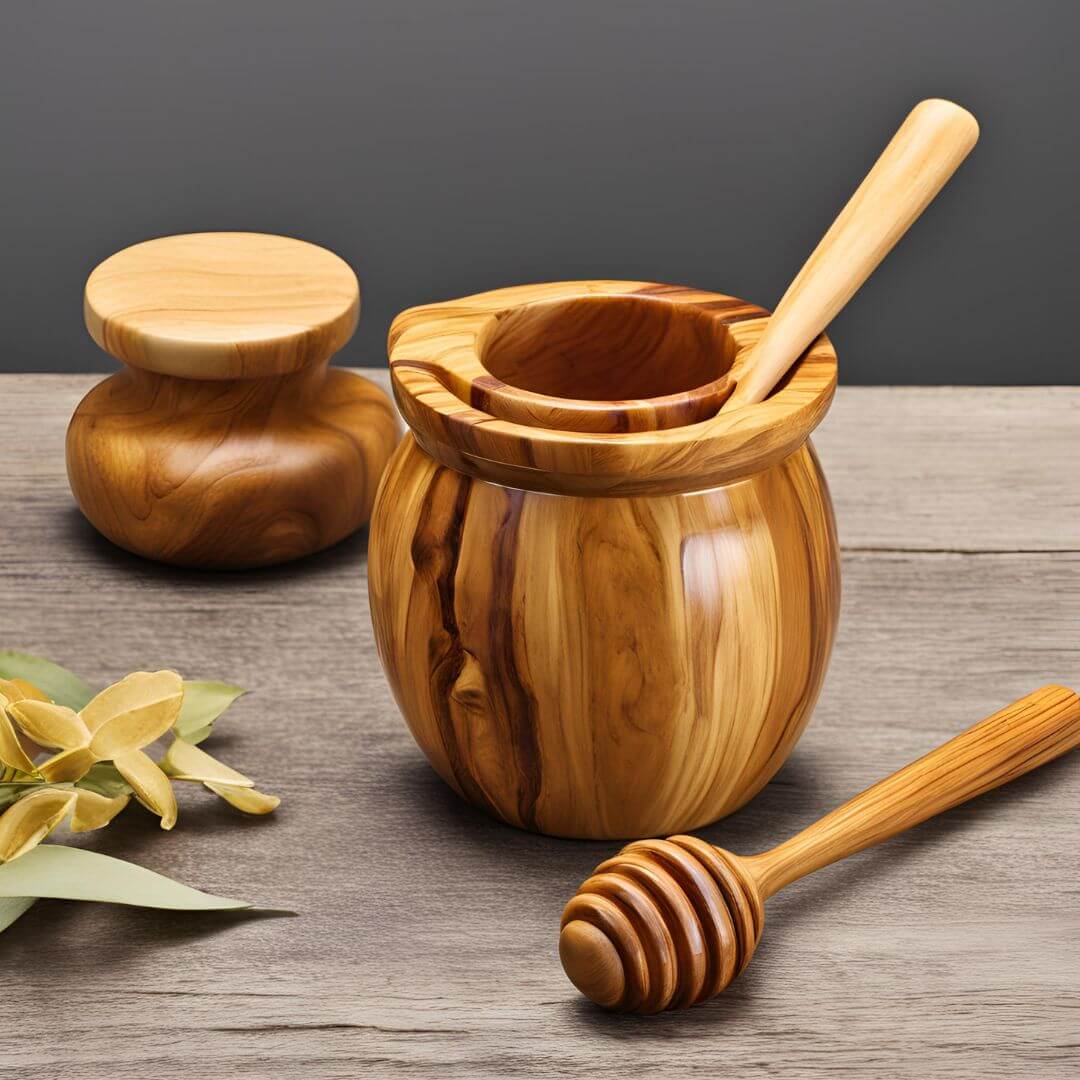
{"x": 604, "y": 667}
{"x": 602, "y": 617}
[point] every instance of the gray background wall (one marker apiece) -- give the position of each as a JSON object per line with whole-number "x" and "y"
{"x": 444, "y": 148}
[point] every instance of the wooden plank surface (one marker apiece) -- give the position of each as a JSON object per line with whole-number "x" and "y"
{"x": 424, "y": 943}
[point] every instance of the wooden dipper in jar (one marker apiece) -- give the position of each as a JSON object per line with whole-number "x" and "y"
{"x": 669, "y": 923}
{"x": 920, "y": 158}
{"x": 227, "y": 440}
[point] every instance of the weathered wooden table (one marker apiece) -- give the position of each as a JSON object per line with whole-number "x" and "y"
{"x": 425, "y": 937}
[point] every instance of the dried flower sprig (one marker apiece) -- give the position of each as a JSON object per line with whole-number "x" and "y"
{"x": 100, "y": 758}
{"x": 99, "y": 762}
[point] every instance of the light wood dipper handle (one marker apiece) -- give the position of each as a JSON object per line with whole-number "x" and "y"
{"x": 669, "y": 923}
{"x": 1021, "y": 737}
{"x": 927, "y": 149}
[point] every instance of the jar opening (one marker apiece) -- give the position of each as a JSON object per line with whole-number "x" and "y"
{"x": 611, "y": 348}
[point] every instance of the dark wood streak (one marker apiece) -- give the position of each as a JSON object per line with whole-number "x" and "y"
{"x": 737, "y": 312}
{"x": 513, "y": 701}
{"x": 479, "y": 397}
{"x": 741, "y": 310}
{"x": 436, "y": 551}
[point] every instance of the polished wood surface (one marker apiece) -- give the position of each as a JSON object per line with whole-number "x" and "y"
{"x": 604, "y": 667}
{"x": 667, "y": 924}
{"x": 222, "y": 305}
{"x": 488, "y": 383}
{"x": 227, "y": 441}
{"x": 1023, "y": 736}
{"x": 586, "y": 664}
{"x": 424, "y": 943}
{"x": 919, "y": 160}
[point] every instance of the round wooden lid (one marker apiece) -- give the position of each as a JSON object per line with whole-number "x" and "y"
{"x": 222, "y": 305}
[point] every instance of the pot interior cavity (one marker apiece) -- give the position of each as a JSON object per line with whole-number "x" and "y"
{"x": 607, "y": 348}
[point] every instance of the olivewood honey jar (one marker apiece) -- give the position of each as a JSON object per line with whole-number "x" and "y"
{"x": 227, "y": 440}
{"x": 605, "y": 607}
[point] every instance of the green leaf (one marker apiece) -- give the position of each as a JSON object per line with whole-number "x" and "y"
{"x": 103, "y": 778}
{"x": 51, "y": 679}
{"x": 12, "y": 907}
{"x": 13, "y": 790}
{"x": 204, "y": 702}
{"x": 68, "y": 873}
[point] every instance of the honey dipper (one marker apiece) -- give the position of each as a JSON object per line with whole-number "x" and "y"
{"x": 666, "y": 924}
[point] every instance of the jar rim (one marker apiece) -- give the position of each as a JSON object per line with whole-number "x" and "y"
{"x": 475, "y": 420}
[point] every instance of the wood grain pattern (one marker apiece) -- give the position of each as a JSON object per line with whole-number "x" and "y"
{"x": 592, "y": 667}
{"x": 574, "y": 662}
{"x": 1023, "y": 736}
{"x": 918, "y": 162}
{"x": 228, "y": 441}
{"x": 666, "y": 924}
{"x": 222, "y": 305}
{"x": 424, "y": 944}
{"x": 480, "y": 401}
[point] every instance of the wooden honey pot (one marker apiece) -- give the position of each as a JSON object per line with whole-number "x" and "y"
{"x": 227, "y": 440}
{"x": 603, "y": 566}
{"x": 605, "y": 609}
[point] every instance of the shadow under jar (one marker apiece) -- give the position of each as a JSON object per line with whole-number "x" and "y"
{"x": 605, "y": 609}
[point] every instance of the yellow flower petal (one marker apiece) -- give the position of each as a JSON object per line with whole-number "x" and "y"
{"x": 49, "y": 724}
{"x": 27, "y": 690}
{"x": 26, "y": 823}
{"x": 151, "y": 785}
{"x": 10, "y": 691}
{"x": 94, "y": 811}
{"x": 245, "y": 798}
{"x": 11, "y": 750}
{"x": 133, "y": 712}
{"x": 134, "y": 691}
{"x": 183, "y": 761}
{"x": 67, "y": 766}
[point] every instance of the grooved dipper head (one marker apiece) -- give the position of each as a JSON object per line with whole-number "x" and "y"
{"x": 663, "y": 925}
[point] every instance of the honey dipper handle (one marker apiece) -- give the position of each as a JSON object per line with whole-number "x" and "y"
{"x": 1021, "y": 737}
{"x": 912, "y": 169}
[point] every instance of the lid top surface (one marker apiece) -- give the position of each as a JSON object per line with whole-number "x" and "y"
{"x": 222, "y": 305}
